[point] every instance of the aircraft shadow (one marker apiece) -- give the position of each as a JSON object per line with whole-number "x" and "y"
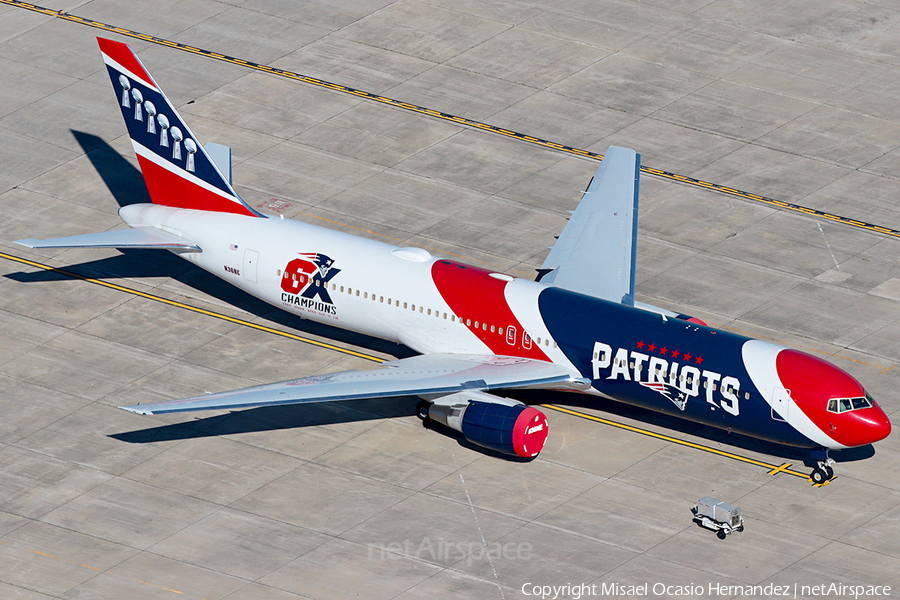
{"x": 121, "y": 178}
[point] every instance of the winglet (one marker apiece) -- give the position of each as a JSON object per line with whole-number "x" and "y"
{"x": 597, "y": 250}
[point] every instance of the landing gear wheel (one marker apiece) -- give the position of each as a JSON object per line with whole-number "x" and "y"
{"x": 829, "y": 472}
{"x": 422, "y": 409}
{"x": 818, "y": 475}
{"x": 721, "y": 534}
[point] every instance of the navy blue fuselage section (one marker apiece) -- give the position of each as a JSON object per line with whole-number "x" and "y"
{"x": 663, "y": 364}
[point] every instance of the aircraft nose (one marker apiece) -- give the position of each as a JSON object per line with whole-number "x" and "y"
{"x": 867, "y": 426}
{"x": 813, "y": 382}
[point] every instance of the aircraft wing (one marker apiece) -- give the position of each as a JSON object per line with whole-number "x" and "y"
{"x": 436, "y": 374}
{"x": 138, "y": 237}
{"x": 595, "y": 253}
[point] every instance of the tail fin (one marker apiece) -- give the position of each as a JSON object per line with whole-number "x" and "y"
{"x": 177, "y": 169}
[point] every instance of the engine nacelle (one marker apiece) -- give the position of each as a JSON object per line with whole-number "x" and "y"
{"x": 496, "y": 423}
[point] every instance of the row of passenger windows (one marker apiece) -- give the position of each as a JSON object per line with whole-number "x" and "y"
{"x": 511, "y": 333}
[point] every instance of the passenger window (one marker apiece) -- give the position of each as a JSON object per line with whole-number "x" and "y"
{"x": 429, "y": 312}
{"x": 493, "y": 329}
{"x": 468, "y": 322}
{"x": 476, "y": 324}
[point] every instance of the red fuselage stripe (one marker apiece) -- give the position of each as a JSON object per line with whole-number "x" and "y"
{"x": 479, "y": 300}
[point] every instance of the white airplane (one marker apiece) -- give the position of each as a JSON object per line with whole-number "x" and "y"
{"x": 479, "y": 333}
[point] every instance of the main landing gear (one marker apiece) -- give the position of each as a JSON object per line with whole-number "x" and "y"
{"x": 824, "y": 470}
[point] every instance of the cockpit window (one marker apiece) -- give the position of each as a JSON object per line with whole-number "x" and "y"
{"x": 840, "y": 405}
{"x": 861, "y": 403}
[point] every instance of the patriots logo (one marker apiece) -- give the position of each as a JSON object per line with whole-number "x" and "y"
{"x": 321, "y": 262}
{"x": 309, "y": 275}
{"x": 677, "y": 396}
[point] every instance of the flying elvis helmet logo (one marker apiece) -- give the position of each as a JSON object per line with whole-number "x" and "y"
{"x": 305, "y": 282}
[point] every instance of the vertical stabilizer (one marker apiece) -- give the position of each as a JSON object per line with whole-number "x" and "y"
{"x": 177, "y": 169}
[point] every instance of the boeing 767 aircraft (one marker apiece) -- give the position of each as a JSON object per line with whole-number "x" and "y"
{"x": 479, "y": 333}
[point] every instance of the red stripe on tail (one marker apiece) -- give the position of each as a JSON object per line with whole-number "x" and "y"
{"x": 123, "y": 55}
{"x": 170, "y": 189}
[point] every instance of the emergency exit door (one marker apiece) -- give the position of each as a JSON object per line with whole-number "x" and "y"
{"x": 781, "y": 404}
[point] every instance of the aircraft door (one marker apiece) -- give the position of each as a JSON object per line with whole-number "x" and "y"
{"x": 251, "y": 257}
{"x": 781, "y": 402}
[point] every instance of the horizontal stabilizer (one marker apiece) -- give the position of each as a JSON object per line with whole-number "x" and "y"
{"x": 595, "y": 253}
{"x": 139, "y": 237}
{"x": 432, "y": 374}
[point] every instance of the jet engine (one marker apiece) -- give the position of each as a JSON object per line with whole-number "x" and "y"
{"x": 500, "y": 424}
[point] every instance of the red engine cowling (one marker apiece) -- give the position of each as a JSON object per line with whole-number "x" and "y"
{"x": 498, "y": 424}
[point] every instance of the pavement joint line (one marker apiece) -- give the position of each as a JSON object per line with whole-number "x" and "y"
{"x": 263, "y": 328}
{"x": 101, "y": 571}
{"x": 452, "y": 118}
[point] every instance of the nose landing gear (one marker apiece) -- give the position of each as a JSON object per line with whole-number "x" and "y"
{"x": 824, "y": 470}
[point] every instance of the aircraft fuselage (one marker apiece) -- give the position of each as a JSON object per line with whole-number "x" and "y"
{"x": 435, "y": 305}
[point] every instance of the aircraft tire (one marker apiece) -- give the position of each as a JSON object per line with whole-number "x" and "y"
{"x": 818, "y": 475}
{"x": 829, "y": 472}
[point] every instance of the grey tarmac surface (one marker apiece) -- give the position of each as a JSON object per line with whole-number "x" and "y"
{"x": 787, "y": 99}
